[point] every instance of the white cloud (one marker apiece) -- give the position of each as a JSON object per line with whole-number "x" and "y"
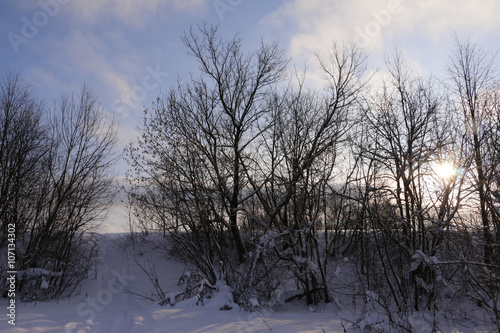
{"x": 374, "y": 24}
{"x": 439, "y": 16}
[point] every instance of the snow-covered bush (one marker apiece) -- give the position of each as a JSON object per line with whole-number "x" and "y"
{"x": 36, "y": 286}
{"x": 59, "y": 278}
{"x": 197, "y": 291}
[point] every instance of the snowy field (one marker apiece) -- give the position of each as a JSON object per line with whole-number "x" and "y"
{"x": 107, "y": 302}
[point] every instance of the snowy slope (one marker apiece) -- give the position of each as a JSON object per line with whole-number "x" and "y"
{"x": 102, "y": 305}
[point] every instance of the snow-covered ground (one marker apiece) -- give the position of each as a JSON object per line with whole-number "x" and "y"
{"x": 102, "y": 305}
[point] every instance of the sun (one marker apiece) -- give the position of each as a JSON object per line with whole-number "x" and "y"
{"x": 445, "y": 170}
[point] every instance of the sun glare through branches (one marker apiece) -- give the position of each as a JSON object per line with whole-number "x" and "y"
{"x": 445, "y": 170}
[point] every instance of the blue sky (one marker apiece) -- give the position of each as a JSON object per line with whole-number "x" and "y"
{"x": 129, "y": 51}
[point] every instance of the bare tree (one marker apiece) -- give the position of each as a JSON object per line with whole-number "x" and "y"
{"x": 229, "y": 149}
{"x": 406, "y": 136}
{"x": 296, "y": 163}
{"x": 24, "y": 145}
{"x": 197, "y": 139}
{"x": 56, "y": 181}
{"x": 474, "y": 83}
{"x": 474, "y": 77}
